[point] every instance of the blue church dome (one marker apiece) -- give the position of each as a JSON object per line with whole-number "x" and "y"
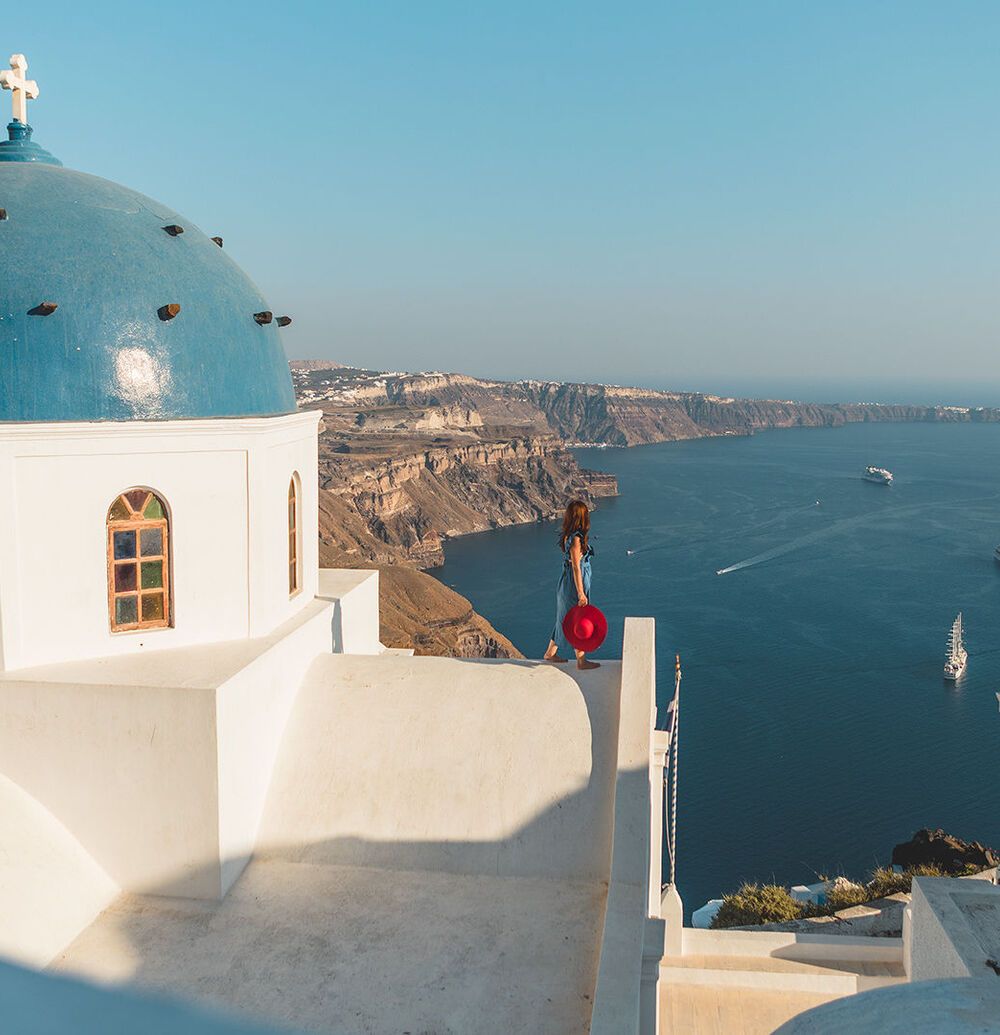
{"x": 114, "y": 307}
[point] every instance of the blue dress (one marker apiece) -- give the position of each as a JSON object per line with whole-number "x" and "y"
{"x": 566, "y": 594}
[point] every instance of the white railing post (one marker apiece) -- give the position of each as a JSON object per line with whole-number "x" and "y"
{"x": 672, "y": 911}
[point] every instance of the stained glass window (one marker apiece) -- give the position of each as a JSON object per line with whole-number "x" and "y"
{"x": 293, "y": 536}
{"x": 138, "y": 562}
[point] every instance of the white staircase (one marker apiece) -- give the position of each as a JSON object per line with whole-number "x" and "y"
{"x": 749, "y": 982}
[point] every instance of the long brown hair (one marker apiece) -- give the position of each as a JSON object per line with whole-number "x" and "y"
{"x": 576, "y": 519}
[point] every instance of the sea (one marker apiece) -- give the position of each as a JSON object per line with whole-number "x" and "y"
{"x": 816, "y": 728}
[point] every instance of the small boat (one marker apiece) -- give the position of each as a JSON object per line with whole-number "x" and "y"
{"x": 996, "y": 554}
{"x": 957, "y": 656}
{"x": 878, "y": 475}
{"x": 998, "y": 700}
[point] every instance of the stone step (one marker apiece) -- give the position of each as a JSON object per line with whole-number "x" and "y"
{"x": 790, "y": 945}
{"x": 819, "y": 976}
{"x": 707, "y": 1010}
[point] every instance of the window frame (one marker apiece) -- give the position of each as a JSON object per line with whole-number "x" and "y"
{"x": 294, "y": 556}
{"x": 137, "y": 523}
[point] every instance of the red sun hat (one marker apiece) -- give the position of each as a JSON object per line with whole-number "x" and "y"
{"x": 585, "y": 627}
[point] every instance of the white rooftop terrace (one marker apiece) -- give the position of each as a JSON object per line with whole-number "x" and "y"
{"x": 427, "y": 860}
{"x": 363, "y": 843}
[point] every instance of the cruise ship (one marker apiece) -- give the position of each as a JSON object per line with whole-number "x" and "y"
{"x": 879, "y": 475}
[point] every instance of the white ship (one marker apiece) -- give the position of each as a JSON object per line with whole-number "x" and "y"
{"x": 954, "y": 663}
{"x": 879, "y": 475}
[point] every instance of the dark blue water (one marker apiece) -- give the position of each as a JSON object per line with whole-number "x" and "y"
{"x": 817, "y": 730}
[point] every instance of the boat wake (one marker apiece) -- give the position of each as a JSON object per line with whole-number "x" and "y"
{"x": 815, "y": 537}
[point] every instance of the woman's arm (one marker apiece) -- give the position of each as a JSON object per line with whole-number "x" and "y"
{"x": 575, "y": 556}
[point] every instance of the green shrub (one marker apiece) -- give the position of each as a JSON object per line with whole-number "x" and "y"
{"x": 885, "y": 882}
{"x": 843, "y": 895}
{"x": 757, "y": 904}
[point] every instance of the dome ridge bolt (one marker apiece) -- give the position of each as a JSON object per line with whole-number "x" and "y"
{"x": 217, "y": 240}
{"x": 284, "y": 321}
{"x": 264, "y": 317}
{"x": 168, "y": 312}
{"x": 174, "y": 230}
{"x": 44, "y": 309}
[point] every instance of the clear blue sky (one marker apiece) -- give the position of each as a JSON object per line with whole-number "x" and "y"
{"x": 770, "y": 197}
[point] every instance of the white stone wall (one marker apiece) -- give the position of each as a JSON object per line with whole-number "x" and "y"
{"x": 954, "y": 928}
{"x": 159, "y": 765}
{"x": 50, "y": 887}
{"x": 225, "y": 483}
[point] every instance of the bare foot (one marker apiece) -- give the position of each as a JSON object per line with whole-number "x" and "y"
{"x": 583, "y": 665}
{"x": 556, "y": 660}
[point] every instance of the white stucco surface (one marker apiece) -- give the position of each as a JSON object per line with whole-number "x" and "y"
{"x": 500, "y": 767}
{"x": 417, "y": 841}
{"x": 47, "y": 1004}
{"x": 630, "y": 903}
{"x": 159, "y": 764}
{"x": 434, "y": 856}
{"x": 333, "y": 948}
{"x": 954, "y": 928}
{"x": 948, "y": 1007}
{"x": 356, "y": 616}
{"x": 225, "y": 483}
{"x": 50, "y": 888}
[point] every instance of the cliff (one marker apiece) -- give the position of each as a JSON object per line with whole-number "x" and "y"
{"x": 401, "y": 469}
{"x": 412, "y": 497}
{"x": 599, "y": 414}
{"x": 410, "y": 460}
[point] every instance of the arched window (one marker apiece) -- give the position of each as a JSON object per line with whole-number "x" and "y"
{"x": 293, "y": 535}
{"x": 138, "y": 562}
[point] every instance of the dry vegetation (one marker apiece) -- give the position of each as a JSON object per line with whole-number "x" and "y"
{"x": 754, "y": 904}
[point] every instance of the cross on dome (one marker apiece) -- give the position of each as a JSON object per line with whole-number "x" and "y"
{"x": 21, "y": 88}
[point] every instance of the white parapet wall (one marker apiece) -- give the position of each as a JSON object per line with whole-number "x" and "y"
{"x": 953, "y": 929}
{"x": 355, "y": 596}
{"x": 159, "y": 764}
{"x": 495, "y": 767}
{"x": 618, "y": 1004}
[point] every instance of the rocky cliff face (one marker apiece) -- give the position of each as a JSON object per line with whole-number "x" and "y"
{"x": 602, "y": 414}
{"x": 411, "y": 501}
{"x": 409, "y": 460}
{"x": 406, "y": 462}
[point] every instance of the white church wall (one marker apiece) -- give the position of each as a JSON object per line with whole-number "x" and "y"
{"x": 50, "y": 888}
{"x": 62, "y": 559}
{"x": 159, "y": 765}
{"x": 289, "y": 450}
{"x": 130, "y": 771}
{"x": 225, "y": 483}
{"x": 252, "y": 712}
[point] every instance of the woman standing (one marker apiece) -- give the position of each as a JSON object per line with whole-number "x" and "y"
{"x": 574, "y": 583}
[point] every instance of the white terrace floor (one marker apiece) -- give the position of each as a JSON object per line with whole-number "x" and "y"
{"x": 352, "y": 949}
{"x": 433, "y": 858}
